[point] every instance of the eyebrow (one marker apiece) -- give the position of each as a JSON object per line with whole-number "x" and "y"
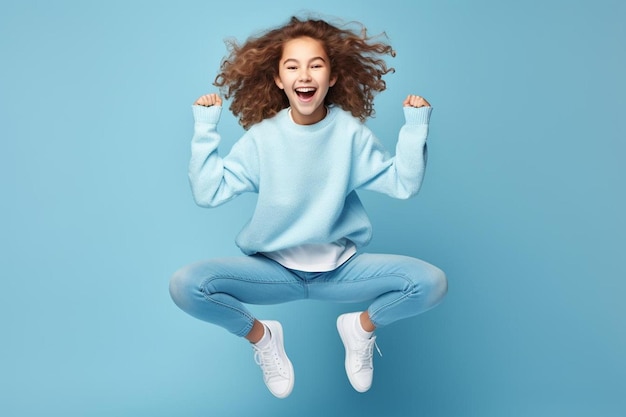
{"x": 296, "y": 61}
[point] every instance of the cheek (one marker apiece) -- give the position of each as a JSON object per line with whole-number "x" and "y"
{"x": 327, "y": 79}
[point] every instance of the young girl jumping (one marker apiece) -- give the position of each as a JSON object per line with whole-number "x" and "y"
{"x": 302, "y": 92}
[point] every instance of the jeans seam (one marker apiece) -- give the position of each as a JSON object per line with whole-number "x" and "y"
{"x": 207, "y": 297}
{"x": 403, "y": 296}
{"x": 371, "y": 277}
{"x": 237, "y": 278}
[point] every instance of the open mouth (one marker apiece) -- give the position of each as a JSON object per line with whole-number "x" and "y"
{"x": 306, "y": 93}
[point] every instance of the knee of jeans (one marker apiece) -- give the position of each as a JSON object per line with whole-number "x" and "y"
{"x": 180, "y": 287}
{"x": 437, "y": 286}
{"x": 431, "y": 286}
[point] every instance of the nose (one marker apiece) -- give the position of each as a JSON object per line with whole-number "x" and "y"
{"x": 304, "y": 75}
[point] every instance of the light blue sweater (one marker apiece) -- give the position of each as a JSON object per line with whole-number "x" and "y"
{"x": 305, "y": 176}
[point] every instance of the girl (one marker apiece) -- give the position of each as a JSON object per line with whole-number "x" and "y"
{"x": 302, "y": 92}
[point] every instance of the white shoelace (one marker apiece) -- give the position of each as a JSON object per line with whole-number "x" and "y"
{"x": 269, "y": 361}
{"x": 364, "y": 353}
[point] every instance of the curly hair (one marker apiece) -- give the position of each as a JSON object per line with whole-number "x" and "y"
{"x": 248, "y": 73}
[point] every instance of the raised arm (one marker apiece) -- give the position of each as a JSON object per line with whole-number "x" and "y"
{"x": 215, "y": 180}
{"x": 398, "y": 176}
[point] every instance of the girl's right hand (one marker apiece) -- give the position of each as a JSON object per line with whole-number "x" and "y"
{"x": 208, "y": 100}
{"x": 415, "y": 101}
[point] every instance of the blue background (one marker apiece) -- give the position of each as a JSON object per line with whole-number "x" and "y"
{"x": 523, "y": 207}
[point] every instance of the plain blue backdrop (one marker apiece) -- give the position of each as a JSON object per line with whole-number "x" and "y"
{"x": 523, "y": 206}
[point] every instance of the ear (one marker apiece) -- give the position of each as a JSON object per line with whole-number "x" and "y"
{"x": 279, "y": 83}
{"x": 333, "y": 80}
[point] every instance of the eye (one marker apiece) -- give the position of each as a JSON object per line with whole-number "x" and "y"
{"x": 292, "y": 67}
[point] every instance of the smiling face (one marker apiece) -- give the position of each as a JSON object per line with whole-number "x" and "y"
{"x": 304, "y": 75}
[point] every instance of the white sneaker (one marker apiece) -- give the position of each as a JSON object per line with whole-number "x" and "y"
{"x": 277, "y": 369}
{"x": 359, "y": 352}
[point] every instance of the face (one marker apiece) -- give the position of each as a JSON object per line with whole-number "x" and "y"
{"x": 304, "y": 75}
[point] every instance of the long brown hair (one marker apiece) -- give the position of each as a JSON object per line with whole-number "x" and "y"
{"x": 248, "y": 73}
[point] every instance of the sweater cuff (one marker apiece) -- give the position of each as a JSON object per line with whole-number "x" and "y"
{"x": 209, "y": 115}
{"x": 417, "y": 115}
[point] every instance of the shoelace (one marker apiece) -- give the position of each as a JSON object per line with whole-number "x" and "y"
{"x": 365, "y": 352}
{"x": 269, "y": 362}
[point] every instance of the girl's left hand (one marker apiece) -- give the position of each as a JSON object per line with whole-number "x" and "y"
{"x": 208, "y": 100}
{"x": 415, "y": 101}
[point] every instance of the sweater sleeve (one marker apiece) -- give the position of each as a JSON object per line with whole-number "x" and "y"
{"x": 399, "y": 176}
{"x": 215, "y": 180}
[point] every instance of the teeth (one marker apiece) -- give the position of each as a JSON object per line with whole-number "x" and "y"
{"x": 305, "y": 89}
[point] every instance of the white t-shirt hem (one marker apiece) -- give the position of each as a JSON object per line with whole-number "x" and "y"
{"x": 314, "y": 257}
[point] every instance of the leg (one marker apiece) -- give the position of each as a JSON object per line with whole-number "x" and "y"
{"x": 400, "y": 286}
{"x": 214, "y": 291}
{"x": 366, "y": 322}
{"x": 256, "y": 332}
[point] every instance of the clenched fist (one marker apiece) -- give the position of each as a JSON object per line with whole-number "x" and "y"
{"x": 415, "y": 101}
{"x": 208, "y": 100}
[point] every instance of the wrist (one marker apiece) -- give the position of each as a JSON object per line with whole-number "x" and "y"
{"x": 209, "y": 115}
{"x": 417, "y": 115}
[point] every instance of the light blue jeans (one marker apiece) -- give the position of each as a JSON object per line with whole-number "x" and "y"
{"x": 216, "y": 290}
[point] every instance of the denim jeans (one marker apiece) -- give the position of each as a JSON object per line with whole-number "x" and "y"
{"x": 216, "y": 290}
